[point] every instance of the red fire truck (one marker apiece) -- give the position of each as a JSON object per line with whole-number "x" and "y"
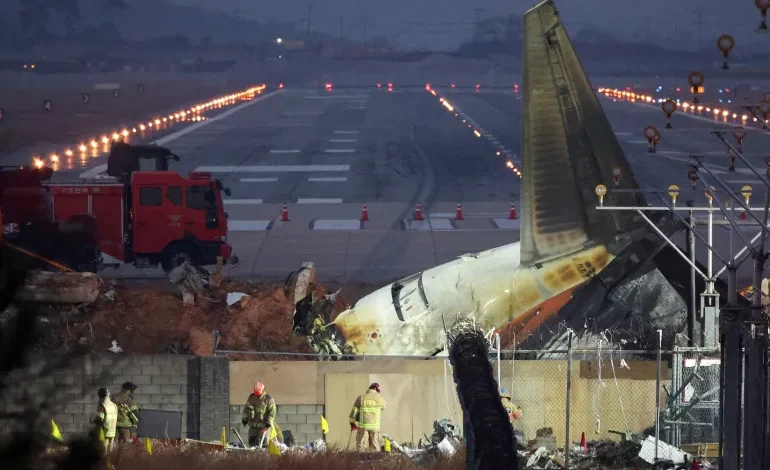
{"x": 145, "y": 218}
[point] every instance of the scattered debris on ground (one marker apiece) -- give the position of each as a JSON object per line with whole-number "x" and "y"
{"x": 84, "y": 313}
{"x": 633, "y": 451}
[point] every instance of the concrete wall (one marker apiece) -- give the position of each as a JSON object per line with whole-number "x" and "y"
{"x": 419, "y": 392}
{"x": 304, "y": 422}
{"x": 210, "y": 393}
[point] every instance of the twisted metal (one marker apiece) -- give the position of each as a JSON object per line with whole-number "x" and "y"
{"x": 492, "y": 444}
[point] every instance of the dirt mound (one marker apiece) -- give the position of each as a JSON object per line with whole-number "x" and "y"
{"x": 151, "y": 318}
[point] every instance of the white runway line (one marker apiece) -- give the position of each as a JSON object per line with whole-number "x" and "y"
{"x": 272, "y": 168}
{"x": 343, "y": 140}
{"x": 319, "y": 200}
{"x": 245, "y": 202}
{"x": 332, "y": 179}
{"x": 624, "y": 133}
{"x": 259, "y": 180}
{"x": 346, "y": 132}
{"x": 98, "y": 169}
{"x": 636, "y": 142}
{"x": 248, "y": 225}
{"x": 426, "y": 225}
{"x": 340, "y": 150}
{"x": 334, "y": 224}
{"x": 507, "y": 224}
{"x": 285, "y": 151}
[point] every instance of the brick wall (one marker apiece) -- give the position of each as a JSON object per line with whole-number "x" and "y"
{"x": 304, "y": 421}
{"x": 165, "y": 382}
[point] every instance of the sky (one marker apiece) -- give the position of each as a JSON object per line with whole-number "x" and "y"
{"x": 443, "y": 24}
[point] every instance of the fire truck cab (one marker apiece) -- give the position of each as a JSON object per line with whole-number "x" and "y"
{"x": 153, "y": 217}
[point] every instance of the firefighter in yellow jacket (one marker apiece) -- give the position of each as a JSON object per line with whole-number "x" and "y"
{"x": 365, "y": 418}
{"x": 106, "y": 419}
{"x": 259, "y": 415}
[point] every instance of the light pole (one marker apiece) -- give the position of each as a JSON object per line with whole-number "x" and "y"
{"x": 738, "y": 332}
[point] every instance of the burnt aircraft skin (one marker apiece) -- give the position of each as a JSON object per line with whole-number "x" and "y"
{"x": 572, "y": 258}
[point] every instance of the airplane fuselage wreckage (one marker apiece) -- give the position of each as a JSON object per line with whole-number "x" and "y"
{"x": 602, "y": 274}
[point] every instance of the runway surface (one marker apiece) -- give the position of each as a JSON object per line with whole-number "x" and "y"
{"x": 327, "y": 154}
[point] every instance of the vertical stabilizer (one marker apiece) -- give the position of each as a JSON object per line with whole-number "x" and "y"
{"x": 568, "y": 148}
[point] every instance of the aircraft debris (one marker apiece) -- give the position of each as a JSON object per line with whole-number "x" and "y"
{"x": 192, "y": 281}
{"x": 115, "y": 348}
{"x": 234, "y": 297}
{"x": 60, "y": 288}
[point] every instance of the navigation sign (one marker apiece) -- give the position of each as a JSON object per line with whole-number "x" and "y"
{"x": 696, "y": 80}
{"x": 616, "y": 174}
{"x": 1, "y": 114}
{"x": 86, "y": 98}
{"x": 668, "y": 107}
{"x": 725, "y": 43}
{"x": 763, "y": 6}
{"x": 673, "y": 191}
{"x": 140, "y": 88}
{"x": 739, "y": 133}
{"x": 116, "y": 93}
{"x": 48, "y": 105}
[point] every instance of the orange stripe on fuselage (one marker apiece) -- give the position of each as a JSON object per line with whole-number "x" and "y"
{"x": 529, "y": 321}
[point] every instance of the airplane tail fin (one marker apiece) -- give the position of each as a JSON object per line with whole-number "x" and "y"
{"x": 569, "y": 148}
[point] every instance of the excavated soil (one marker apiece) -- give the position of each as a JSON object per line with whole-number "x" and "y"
{"x": 151, "y": 318}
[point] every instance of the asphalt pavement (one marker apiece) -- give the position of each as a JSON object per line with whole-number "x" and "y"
{"x": 325, "y": 155}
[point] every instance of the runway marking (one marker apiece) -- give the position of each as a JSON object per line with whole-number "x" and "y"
{"x": 343, "y": 140}
{"x": 340, "y": 150}
{"x": 430, "y": 224}
{"x": 98, "y": 169}
{"x": 624, "y": 133}
{"x": 319, "y": 200}
{"x": 507, "y": 224}
{"x": 636, "y": 141}
{"x": 332, "y": 179}
{"x": 286, "y": 151}
{"x": 338, "y": 97}
{"x": 346, "y": 132}
{"x": 245, "y": 202}
{"x": 272, "y": 168}
{"x": 249, "y": 225}
{"x": 336, "y": 224}
{"x": 259, "y": 180}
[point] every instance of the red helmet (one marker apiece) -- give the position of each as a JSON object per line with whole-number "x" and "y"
{"x": 259, "y": 389}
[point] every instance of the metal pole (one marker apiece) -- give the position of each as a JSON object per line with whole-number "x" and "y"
{"x": 693, "y": 304}
{"x": 710, "y": 259}
{"x": 753, "y": 438}
{"x": 569, "y": 400}
{"x": 657, "y": 394}
{"x": 731, "y": 370}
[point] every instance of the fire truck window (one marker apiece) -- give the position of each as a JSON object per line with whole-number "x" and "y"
{"x": 174, "y": 194}
{"x": 150, "y": 196}
{"x": 196, "y": 197}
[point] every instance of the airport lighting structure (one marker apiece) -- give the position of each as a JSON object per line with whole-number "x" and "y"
{"x": 741, "y": 333}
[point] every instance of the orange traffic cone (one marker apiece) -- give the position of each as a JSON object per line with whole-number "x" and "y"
{"x": 364, "y": 214}
{"x": 583, "y": 442}
{"x": 742, "y": 215}
{"x": 459, "y": 212}
{"x": 418, "y": 212}
{"x": 284, "y": 214}
{"x": 512, "y": 214}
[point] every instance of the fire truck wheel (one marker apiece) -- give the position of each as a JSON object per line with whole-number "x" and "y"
{"x": 175, "y": 256}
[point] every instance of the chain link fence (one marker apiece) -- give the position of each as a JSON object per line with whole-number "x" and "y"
{"x": 621, "y": 401}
